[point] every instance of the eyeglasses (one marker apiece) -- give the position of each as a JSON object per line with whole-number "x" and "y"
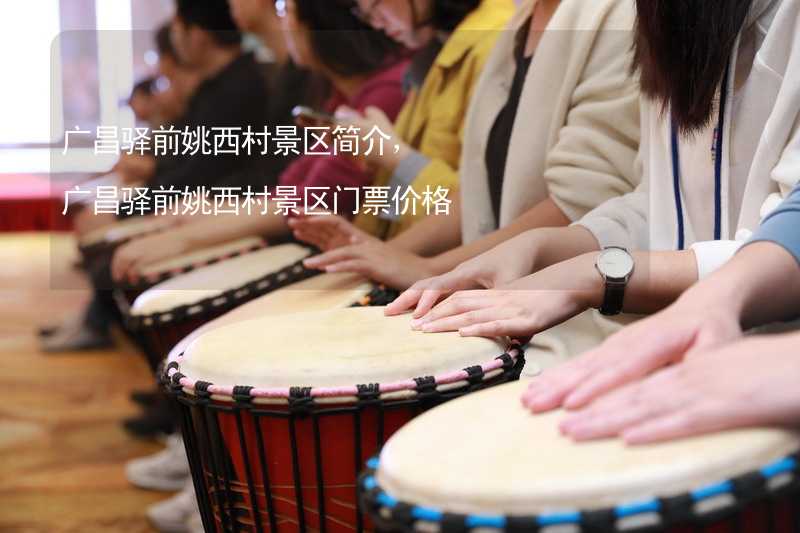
{"x": 367, "y": 15}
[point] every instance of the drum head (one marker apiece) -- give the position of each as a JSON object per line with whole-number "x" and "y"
{"x": 202, "y": 257}
{"x": 214, "y": 280}
{"x": 334, "y": 348}
{"x": 484, "y": 454}
{"x": 124, "y": 229}
{"x": 326, "y": 291}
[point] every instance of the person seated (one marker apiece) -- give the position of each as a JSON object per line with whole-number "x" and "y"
{"x": 288, "y": 85}
{"x": 517, "y": 175}
{"x": 230, "y": 93}
{"x": 170, "y": 91}
{"x": 505, "y": 151}
{"x": 694, "y": 204}
{"x": 366, "y": 71}
{"x": 690, "y": 367}
{"x": 142, "y": 102}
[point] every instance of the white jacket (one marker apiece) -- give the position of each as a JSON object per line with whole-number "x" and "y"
{"x": 761, "y": 152}
{"x": 576, "y": 135}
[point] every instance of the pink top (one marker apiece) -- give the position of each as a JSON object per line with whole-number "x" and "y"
{"x": 384, "y": 90}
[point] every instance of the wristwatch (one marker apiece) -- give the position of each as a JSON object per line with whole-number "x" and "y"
{"x": 615, "y": 265}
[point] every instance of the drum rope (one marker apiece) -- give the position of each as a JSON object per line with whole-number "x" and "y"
{"x": 509, "y": 365}
{"x": 675, "y": 510}
{"x": 292, "y": 274}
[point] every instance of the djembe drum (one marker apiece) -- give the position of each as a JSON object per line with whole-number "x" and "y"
{"x": 102, "y": 242}
{"x": 279, "y": 413}
{"x": 485, "y": 463}
{"x": 161, "y": 271}
{"x": 169, "y": 311}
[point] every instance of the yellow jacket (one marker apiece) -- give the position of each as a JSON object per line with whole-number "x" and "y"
{"x": 432, "y": 119}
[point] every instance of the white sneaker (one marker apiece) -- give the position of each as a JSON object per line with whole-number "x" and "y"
{"x": 167, "y": 470}
{"x": 172, "y": 515}
{"x": 195, "y": 523}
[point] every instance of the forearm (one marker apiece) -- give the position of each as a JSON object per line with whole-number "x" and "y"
{"x": 659, "y": 278}
{"x": 760, "y": 284}
{"x": 433, "y": 235}
{"x": 546, "y": 214}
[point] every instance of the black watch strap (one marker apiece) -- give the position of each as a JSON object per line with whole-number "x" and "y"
{"x": 613, "y": 299}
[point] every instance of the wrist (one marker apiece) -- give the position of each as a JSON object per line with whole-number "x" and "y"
{"x": 720, "y": 291}
{"x": 438, "y": 264}
{"x": 530, "y": 243}
{"x": 391, "y": 160}
{"x": 592, "y": 285}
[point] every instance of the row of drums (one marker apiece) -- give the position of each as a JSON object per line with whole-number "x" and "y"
{"x": 304, "y": 408}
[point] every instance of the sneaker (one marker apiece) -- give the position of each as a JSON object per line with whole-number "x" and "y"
{"x": 172, "y": 515}
{"x": 146, "y": 399}
{"x": 159, "y": 419}
{"x": 167, "y": 470}
{"x": 73, "y": 322}
{"x": 71, "y": 338}
{"x": 195, "y": 523}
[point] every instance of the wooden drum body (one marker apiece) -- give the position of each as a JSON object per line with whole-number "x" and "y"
{"x": 279, "y": 413}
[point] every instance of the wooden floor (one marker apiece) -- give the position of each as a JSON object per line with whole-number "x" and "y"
{"x": 62, "y": 449}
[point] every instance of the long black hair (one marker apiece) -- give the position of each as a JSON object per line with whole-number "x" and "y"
{"x": 164, "y": 43}
{"x": 342, "y": 42}
{"x": 447, "y": 14}
{"x": 681, "y": 51}
{"x": 214, "y": 16}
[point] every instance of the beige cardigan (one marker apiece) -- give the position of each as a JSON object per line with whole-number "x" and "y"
{"x": 576, "y": 134}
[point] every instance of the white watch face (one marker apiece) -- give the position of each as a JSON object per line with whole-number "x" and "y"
{"x": 615, "y": 263}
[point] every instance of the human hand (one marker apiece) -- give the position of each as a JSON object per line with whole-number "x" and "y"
{"x": 522, "y": 308}
{"x": 670, "y": 336}
{"x": 501, "y": 265}
{"x": 395, "y": 149}
{"x": 328, "y": 232}
{"x": 376, "y": 260}
{"x": 747, "y": 383}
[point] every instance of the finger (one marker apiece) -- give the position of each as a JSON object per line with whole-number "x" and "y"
{"x": 549, "y": 390}
{"x": 668, "y": 426}
{"x": 651, "y": 389}
{"x": 376, "y": 115}
{"x": 630, "y": 368}
{"x": 427, "y": 300}
{"x": 323, "y": 260}
{"x": 508, "y": 327}
{"x": 606, "y": 424}
{"x": 404, "y": 302}
{"x": 355, "y": 266}
{"x": 482, "y": 315}
{"x": 323, "y": 221}
{"x": 631, "y": 405}
{"x": 610, "y": 414}
{"x": 346, "y": 112}
{"x": 457, "y": 303}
